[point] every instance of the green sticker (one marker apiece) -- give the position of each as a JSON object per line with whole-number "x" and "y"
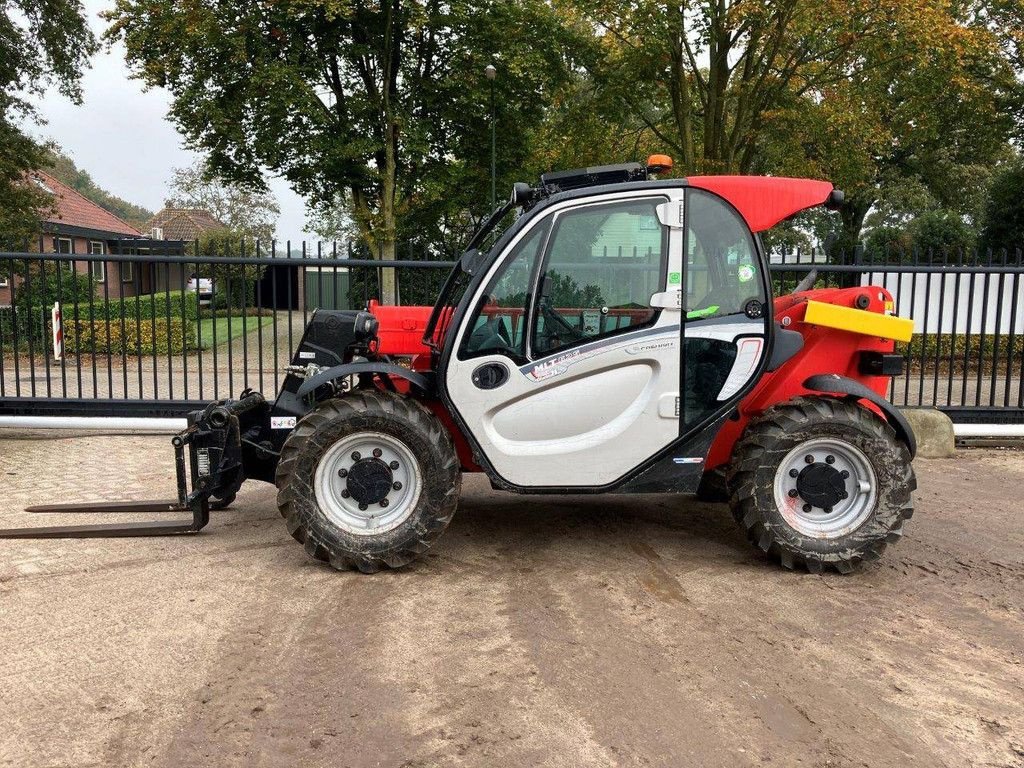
{"x": 699, "y": 314}
{"x": 674, "y": 278}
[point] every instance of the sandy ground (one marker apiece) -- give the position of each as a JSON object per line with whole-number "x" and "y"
{"x": 619, "y": 631}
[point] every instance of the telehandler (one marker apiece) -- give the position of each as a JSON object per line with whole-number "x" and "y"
{"x": 619, "y": 336}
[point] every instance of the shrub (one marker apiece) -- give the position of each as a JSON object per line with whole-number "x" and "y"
{"x": 181, "y": 305}
{"x": 147, "y": 337}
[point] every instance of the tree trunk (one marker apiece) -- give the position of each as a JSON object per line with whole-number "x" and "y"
{"x": 388, "y": 276}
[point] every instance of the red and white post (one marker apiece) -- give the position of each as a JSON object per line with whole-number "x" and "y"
{"x": 58, "y": 332}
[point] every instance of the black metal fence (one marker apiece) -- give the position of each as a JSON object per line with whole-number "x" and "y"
{"x": 150, "y": 330}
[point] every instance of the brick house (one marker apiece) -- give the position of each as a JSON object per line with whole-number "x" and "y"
{"x": 76, "y": 225}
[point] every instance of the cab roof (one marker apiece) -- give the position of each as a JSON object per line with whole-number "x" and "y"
{"x": 762, "y": 201}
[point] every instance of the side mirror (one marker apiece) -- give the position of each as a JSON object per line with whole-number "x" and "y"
{"x": 667, "y": 300}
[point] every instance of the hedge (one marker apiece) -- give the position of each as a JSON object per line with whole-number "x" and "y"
{"x": 948, "y": 349}
{"x": 146, "y": 306}
{"x": 148, "y": 337}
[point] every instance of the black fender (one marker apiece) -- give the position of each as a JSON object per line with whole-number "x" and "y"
{"x": 351, "y": 369}
{"x": 854, "y": 390}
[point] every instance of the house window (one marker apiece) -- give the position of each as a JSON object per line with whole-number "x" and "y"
{"x": 98, "y": 269}
{"x": 4, "y": 279}
{"x": 125, "y": 268}
{"x": 62, "y": 244}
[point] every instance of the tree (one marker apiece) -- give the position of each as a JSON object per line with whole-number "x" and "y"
{"x": 859, "y": 92}
{"x": 378, "y": 107}
{"x": 1004, "y": 211}
{"x": 63, "y": 168}
{"x": 42, "y": 43}
{"x": 248, "y": 211}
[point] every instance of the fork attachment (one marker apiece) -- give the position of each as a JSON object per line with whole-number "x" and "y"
{"x": 215, "y": 463}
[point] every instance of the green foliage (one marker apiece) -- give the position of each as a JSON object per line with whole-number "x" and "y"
{"x": 234, "y": 285}
{"x": 248, "y": 212}
{"x": 63, "y": 169}
{"x": 1004, "y": 210}
{"x": 380, "y": 109}
{"x": 950, "y": 351}
{"x": 42, "y": 42}
{"x": 160, "y": 336}
{"x": 175, "y": 303}
{"x": 888, "y": 243}
{"x": 942, "y": 234}
{"x": 38, "y": 287}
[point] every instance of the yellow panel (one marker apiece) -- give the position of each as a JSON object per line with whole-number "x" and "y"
{"x": 859, "y": 321}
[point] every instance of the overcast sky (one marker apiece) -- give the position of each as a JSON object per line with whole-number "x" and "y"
{"x": 121, "y": 137}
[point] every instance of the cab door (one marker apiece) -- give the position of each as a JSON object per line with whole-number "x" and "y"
{"x": 565, "y": 371}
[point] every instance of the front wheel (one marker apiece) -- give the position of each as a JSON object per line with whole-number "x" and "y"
{"x": 819, "y": 482}
{"x": 368, "y": 480}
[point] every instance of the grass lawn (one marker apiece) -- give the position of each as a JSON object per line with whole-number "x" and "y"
{"x": 228, "y": 329}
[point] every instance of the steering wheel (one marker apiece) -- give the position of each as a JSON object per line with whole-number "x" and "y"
{"x": 494, "y": 335}
{"x": 552, "y": 337}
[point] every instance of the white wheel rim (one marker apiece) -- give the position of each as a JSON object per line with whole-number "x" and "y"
{"x": 845, "y": 515}
{"x": 332, "y": 483}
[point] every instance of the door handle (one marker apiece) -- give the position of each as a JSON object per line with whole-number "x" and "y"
{"x": 490, "y": 376}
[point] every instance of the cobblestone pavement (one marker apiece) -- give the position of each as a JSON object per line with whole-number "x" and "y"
{"x": 573, "y": 631}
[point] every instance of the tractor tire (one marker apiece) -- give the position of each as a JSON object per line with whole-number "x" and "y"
{"x": 368, "y": 480}
{"x": 819, "y": 482}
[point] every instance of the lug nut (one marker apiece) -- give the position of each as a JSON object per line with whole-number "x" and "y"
{"x": 830, "y": 459}
{"x": 377, "y": 452}
{"x": 845, "y": 495}
{"x": 809, "y": 459}
{"x": 394, "y": 465}
{"x": 344, "y": 493}
{"x": 342, "y": 473}
{"x": 396, "y": 485}
{"x": 828, "y": 510}
{"x": 384, "y": 502}
{"x": 794, "y": 493}
{"x": 808, "y": 508}
{"x": 356, "y": 456}
{"x": 844, "y": 474}
{"x": 794, "y": 473}
{"x": 362, "y": 507}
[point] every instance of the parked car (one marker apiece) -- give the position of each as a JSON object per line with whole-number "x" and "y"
{"x": 203, "y": 286}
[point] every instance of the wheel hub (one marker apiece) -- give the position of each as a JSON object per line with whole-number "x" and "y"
{"x": 369, "y": 481}
{"x": 825, "y": 488}
{"x": 821, "y": 485}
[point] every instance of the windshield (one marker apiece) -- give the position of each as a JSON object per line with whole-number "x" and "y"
{"x": 460, "y": 276}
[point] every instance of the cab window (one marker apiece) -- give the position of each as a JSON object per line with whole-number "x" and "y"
{"x": 603, "y": 264}
{"x": 722, "y": 265}
{"x": 722, "y": 278}
{"x": 498, "y": 324}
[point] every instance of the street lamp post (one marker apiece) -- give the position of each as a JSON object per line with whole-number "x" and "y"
{"x": 491, "y": 71}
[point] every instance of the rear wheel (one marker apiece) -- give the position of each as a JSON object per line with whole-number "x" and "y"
{"x": 368, "y": 480}
{"x": 820, "y": 482}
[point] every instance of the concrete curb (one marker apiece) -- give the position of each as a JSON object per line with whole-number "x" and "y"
{"x": 934, "y": 432}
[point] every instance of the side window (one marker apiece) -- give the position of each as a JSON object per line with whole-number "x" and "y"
{"x": 722, "y": 265}
{"x": 498, "y": 324}
{"x": 722, "y": 277}
{"x": 603, "y": 264}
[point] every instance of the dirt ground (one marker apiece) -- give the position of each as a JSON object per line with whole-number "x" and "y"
{"x": 578, "y": 631}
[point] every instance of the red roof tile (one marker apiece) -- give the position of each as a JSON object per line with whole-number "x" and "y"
{"x": 74, "y": 210}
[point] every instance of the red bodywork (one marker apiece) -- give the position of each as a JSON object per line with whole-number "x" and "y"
{"x": 764, "y": 201}
{"x": 825, "y": 350}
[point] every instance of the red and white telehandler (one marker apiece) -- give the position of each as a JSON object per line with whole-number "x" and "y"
{"x": 618, "y": 336}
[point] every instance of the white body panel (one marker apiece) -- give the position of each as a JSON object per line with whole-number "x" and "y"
{"x": 584, "y": 416}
